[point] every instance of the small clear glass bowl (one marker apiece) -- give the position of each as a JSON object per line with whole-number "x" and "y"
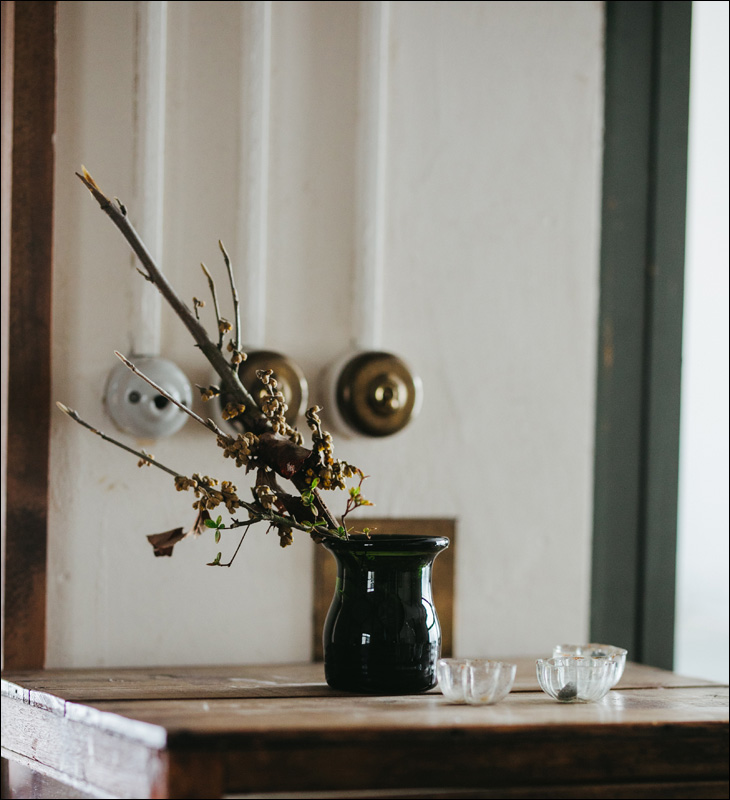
{"x": 576, "y": 679}
{"x": 487, "y": 682}
{"x": 618, "y": 654}
{"x": 477, "y": 681}
{"x": 450, "y": 675}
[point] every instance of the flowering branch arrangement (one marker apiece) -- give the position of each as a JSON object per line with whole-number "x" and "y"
{"x": 269, "y": 446}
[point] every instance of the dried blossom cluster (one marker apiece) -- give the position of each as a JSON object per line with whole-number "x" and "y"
{"x": 282, "y": 511}
{"x": 270, "y": 503}
{"x": 238, "y": 356}
{"x": 208, "y": 496}
{"x": 242, "y": 448}
{"x": 266, "y": 496}
{"x": 275, "y": 407}
{"x": 233, "y": 410}
{"x": 331, "y": 473}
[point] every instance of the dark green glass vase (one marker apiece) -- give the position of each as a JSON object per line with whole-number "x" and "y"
{"x": 382, "y": 633}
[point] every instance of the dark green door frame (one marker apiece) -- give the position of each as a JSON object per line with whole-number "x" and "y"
{"x": 640, "y": 337}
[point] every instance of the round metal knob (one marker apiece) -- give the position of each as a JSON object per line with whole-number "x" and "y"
{"x": 142, "y": 411}
{"x": 289, "y": 377}
{"x": 376, "y": 394}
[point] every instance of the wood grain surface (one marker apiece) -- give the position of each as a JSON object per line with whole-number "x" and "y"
{"x": 258, "y": 680}
{"x": 212, "y": 731}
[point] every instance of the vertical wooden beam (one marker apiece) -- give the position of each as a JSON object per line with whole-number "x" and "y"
{"x": 639, "y": 359}
{"x": 615, "y": 593}
{"x": 29, "y": 362}
{"x": 6, "y": 75}
{"x": 664, "y": 330}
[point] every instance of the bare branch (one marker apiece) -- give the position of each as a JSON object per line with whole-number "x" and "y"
{"x": 254, "y": 419}
{"x": 218, "y": 318}
{"x": 234, "y": 294}
{"x": 209, "y": 424}
{"x": 259, "y": 514}
{"x": 218, "y": 564}
{"x": 144, "y": 456}
{"x": 319, "y": 530}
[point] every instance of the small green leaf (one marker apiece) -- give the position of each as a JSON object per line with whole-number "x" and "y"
{"x": 218, "y": 521}
{"x": 354, "y": 491}
{"x": 217, "y": 535}
{"x": 210, "y": 524}
{"x": 315, "y": 483}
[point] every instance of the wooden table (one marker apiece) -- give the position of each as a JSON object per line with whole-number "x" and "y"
{"x": 251, "y": 730}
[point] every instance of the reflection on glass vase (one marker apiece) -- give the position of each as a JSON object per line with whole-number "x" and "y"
{"x": 382, "y": 633}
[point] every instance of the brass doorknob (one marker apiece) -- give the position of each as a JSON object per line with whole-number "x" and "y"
{"x": 376, "y": 394}
{"x": 290, "y": 382}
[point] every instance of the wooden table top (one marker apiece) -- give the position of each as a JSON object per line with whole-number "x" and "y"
{"x": 205, "y": 731}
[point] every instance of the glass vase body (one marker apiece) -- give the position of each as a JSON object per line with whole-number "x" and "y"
{"x": 382, "y": 633}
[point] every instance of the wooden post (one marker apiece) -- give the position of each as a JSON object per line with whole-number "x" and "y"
{"x": 29, "y": 361}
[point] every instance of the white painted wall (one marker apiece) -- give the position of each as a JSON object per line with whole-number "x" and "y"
{"x": 492, "y": 282}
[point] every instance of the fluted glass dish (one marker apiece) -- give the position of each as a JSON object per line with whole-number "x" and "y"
{"x": 450, "y": 675}
{"x": 618, "y": 654}
{"x": 487, "y": 682}
{"x": 576, "y": 679}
